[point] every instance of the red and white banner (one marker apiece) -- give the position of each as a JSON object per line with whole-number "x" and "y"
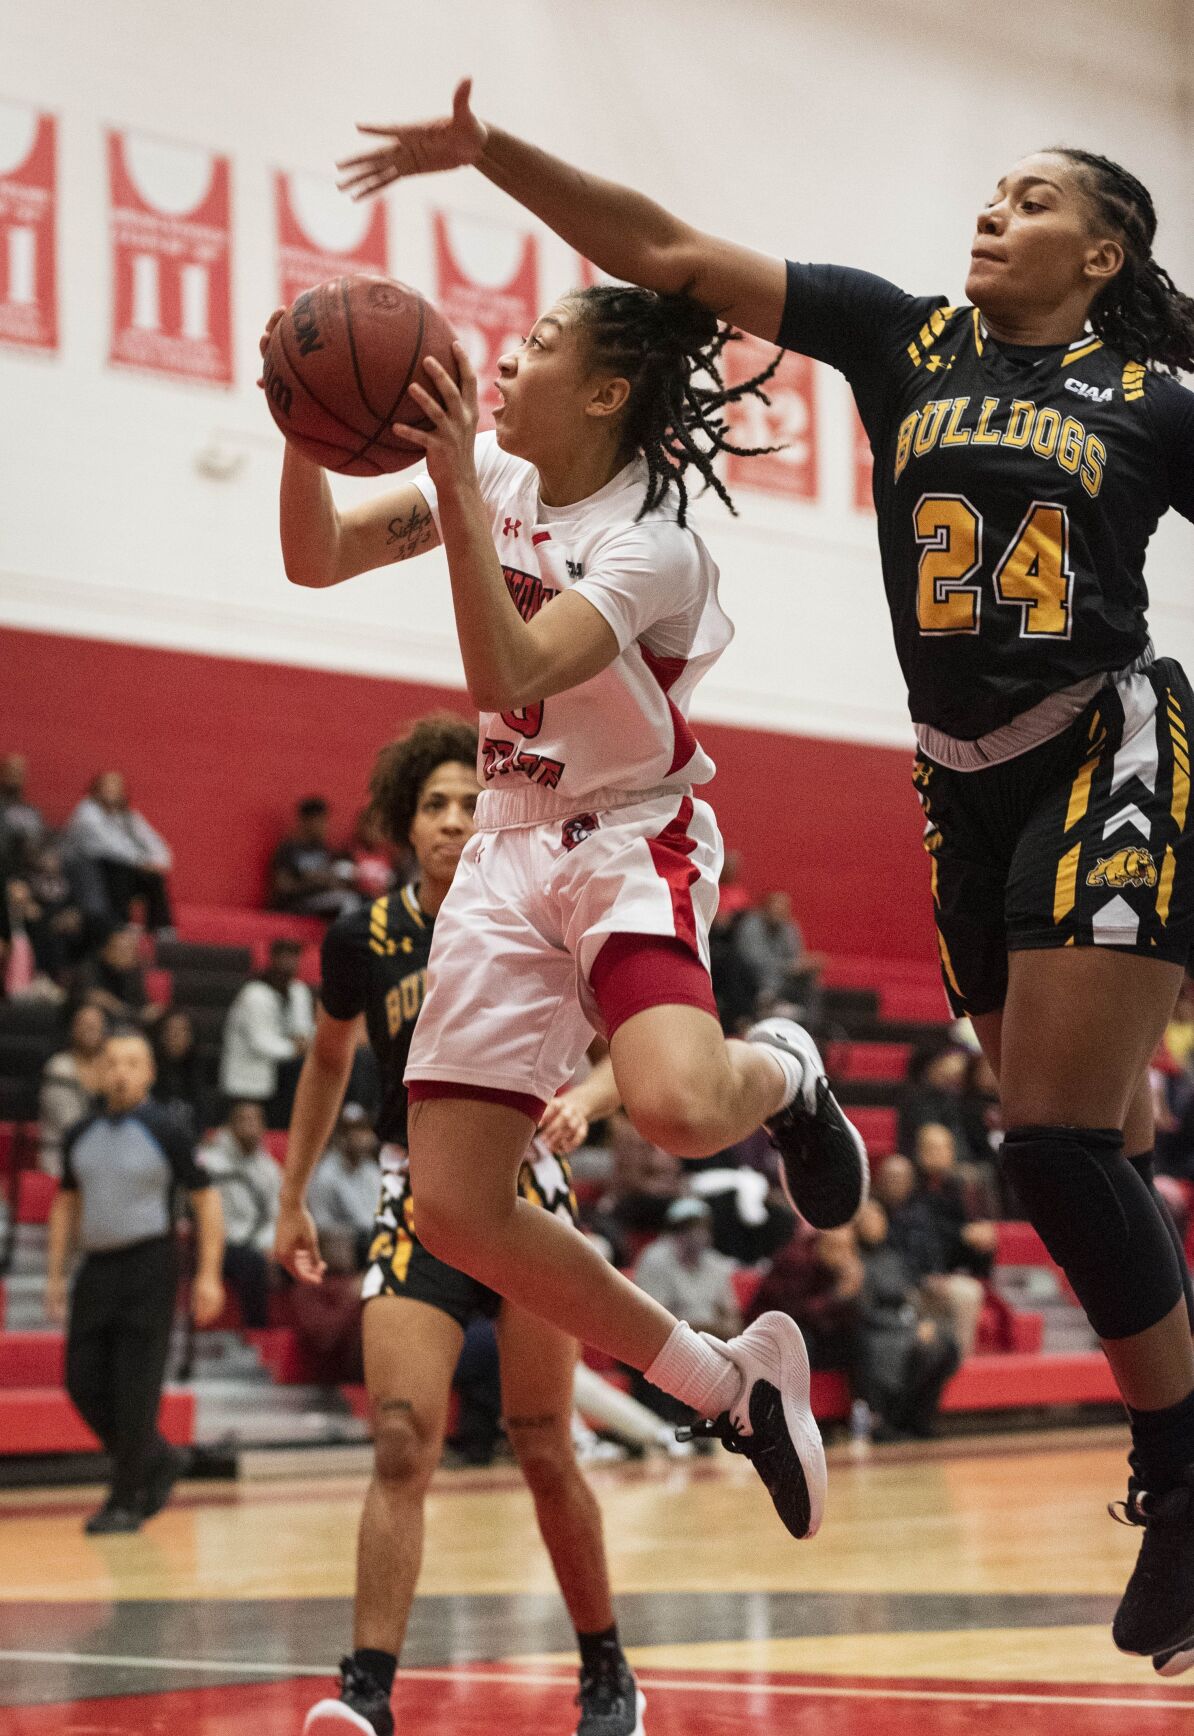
{"x": 487, "y": 285}
{"x": 171, "y": 226}
{"x": 788, "y": 422}
{"x": 28, "y": 266}
{"x": 864, "y": 500}
{"x": 322, "y": 234}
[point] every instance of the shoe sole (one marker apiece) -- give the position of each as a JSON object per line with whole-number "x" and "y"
{"x": 640, "y": 1708}
{"x": 801, "y": 1506}
{"x": 333, "y": 1718}
{"x": 1176, "y": 1662}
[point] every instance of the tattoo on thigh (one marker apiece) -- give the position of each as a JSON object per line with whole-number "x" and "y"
{"x": 548, "y": 1421}
{"x": 392, "y": 1406}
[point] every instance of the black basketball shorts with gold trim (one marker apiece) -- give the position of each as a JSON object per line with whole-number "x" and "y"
{"x": 399, "y": 1264}
{"x": 1087, "y": 840}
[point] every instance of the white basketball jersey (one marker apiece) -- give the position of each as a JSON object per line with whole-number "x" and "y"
{"x": 654, "y": 582}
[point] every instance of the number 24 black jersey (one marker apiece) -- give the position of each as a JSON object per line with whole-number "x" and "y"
{"x": 1016, "y": 490}
{"x": 375, "y": 962}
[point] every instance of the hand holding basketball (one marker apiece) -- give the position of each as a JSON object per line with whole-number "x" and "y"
{"x": 448, "y": 444}
{"x": 417, "y": 148}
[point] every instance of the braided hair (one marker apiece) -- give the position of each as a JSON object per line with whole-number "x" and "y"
{"x": 1141, "y": 312}
{"x": 664, "y": 344}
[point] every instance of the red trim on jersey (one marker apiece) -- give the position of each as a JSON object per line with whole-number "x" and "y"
{"x": 670, "y": 852}
{"x": 430, "y": 1090}
{"x": 540, "y": 536}
{"x": 635, "y": 972}
{"x": 667, "y": 671}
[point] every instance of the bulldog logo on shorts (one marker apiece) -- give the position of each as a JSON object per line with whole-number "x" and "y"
{"x": 576, "y": 831}
{"x": 1127, "y": 867}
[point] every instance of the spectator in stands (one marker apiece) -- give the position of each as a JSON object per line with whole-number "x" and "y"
{"x": 21, "y": 824}
{"x": 735, "y": 980}
{"x": 308, "y": 877}
{"x": 751, "y": 1218}
{"x": 771, "y": 943}
{"x": 929, "y": 1245}
{"x": 266, "y": 1034}
{"x": 70, "y": 1082}
{"x": 181, "y": 1083}
{"x": 732, "y": 896}
{"x": 643, "y": 1183}
{"x": 128, "y": 857}
{"x": 816, "y": 1277}
{"x": 249, "y": 1182}
{"x": 345, "y": 1190}
{"x": 372, "y": 857}
{"x": 685, "y": 1274}
{"x": 113, "y": 978}
{"x": 49, "y": 907}
{"x": 121, "y": 1166}
{"x": 932, "y": 1091}
{"x": 904, "y": 1358}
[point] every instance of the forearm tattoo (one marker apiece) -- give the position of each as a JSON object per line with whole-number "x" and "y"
{"x": 410, "y": 534}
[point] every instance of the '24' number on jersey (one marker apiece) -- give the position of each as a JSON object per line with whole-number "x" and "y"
{"x": 1033, "y": 573}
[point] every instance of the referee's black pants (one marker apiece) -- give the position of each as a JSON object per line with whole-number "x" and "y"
{"x": 122, "y": 1307}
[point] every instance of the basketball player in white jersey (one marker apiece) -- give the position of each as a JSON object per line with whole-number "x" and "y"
{"x": 584, "y": 898}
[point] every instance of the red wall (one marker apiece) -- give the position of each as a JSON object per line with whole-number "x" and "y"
{"x": 217, "y": 750}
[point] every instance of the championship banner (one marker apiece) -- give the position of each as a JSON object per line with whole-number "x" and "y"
{"x": 487, "y": 285}
{"x": 171, "y": 227}
{"x": 322, "y": 234}
{"x": 864, "y": 500}
{"x": 789, "y": 422}
{"x": 28, "y": 266}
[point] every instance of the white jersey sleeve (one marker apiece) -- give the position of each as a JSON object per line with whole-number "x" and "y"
{"x": 646, "y": 579}
{"x": 496, "y": 470}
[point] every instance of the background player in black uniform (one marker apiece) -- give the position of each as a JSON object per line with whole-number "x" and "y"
{"x": 1025, "y": 446}
{"x": 374, "y": 965}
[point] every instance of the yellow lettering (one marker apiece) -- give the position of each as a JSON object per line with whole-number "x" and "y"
{"x": 1019, "y": 424}
{"x": 1044, "y": 435}
{"x": 904, "y": 443}
{"x": 954, "y": 436}
{"x": 931, "y": 418}
{"x": 393, "y": 1012}
{"x": 983, "y": 434}
{"x": 1092, "y": 469}
{"x": 949, "y": 532}
{"x": 1069, "y": 446}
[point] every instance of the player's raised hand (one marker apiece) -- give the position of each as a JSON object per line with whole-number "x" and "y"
{"x": 416, "y": 148}
{"x": 263, "y": 343}
{"x": 448, "y": 443}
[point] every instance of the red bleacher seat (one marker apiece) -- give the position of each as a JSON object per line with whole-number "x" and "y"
{"x": 217, "y": 925}
{"x": 42, "y": 1420}
{"x": 1018, "y": 1244}
{"x": 848, "y": 1060}
{"x": 159, "y": 986}
{"x": 877, "y": 1127}
{"x": 32, "y": 1359}
{"x": 8, "y": 1140}
{"x": 35, "y": 1195}
{"x": 746, "y": 1281}
{"x": 989, "y": 1383}
{"x": 274, "y": 1141}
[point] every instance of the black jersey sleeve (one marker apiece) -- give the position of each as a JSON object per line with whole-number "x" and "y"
{"x": 344, "y": 961}
{"x": 1171, "y": 412}
{"x": 854, "y": 321}
{"x": 174, "y": 1136}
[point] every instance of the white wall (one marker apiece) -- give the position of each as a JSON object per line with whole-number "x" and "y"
{"x": 864, "y": 133}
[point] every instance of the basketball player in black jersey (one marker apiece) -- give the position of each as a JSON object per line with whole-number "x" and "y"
{"x": 1026, "y": 444}
{"x": 424, "y": 789}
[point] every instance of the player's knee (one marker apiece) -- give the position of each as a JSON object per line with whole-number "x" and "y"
{"x": 675, "y": 1115}
{"x": 549, "y": 1467}
{"x": 403, "y": 1447}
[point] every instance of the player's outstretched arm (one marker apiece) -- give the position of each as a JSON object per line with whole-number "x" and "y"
{"x": 322, "y": 546}
{"x": 322, "y": 1083}
{"x": 620, "y": 230}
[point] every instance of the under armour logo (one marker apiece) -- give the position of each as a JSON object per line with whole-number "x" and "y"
{"x": 512, "y": 527}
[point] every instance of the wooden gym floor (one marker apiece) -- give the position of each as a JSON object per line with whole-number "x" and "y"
{"x": 969, "y": 1591}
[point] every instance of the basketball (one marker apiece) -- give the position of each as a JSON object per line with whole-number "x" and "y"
{"x": 339, "y": 367}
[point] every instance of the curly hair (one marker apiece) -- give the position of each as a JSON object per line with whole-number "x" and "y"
{"x": 1141, "y": 312}
{"x": 664, "y": 344}
{"x": 403, "y": 767}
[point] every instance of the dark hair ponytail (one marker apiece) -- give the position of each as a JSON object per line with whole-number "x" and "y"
{"x": 664, "y": 344}
{"x": 1141, "y": 313}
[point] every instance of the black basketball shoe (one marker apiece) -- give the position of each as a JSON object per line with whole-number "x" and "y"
{"x": 771, "y": 1422}
{"x": 610, "y": 1701}
{"x": 362, "y": 1706}
{"x": 1177, "y": 1660}
{"x": 823, "y": 1161}
{"x": 1156, "y": 1613}
{"x": 165, "y": 1471}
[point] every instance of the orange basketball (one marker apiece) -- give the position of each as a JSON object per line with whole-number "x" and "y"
{"x": 339, "y": 367}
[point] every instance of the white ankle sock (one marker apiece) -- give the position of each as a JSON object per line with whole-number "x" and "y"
{"x": 791, "y": 1068}
{"x": 696, "y": 1371}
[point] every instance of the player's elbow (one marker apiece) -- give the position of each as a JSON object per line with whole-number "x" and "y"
{"x": 301, "y": 570}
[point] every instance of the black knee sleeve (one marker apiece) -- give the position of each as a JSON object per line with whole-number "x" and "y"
{"x": 1097, "y": 1219}
{"x": 1143, "y": 1165}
